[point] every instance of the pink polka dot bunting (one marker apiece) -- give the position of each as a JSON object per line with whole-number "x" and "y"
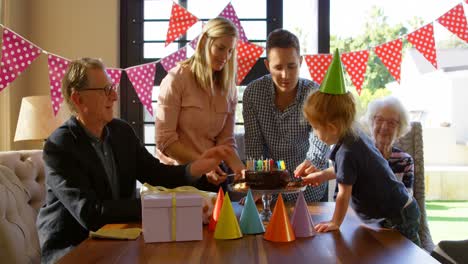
{"x": 423, "y": 41}
{"x": 181, "y": 20}
{"x": 356, "y": 65}
{"x": 455, "y": 21}
{"x": 318, "y": 65}
{"x": 114, "y": 74}
{"x": 229, "y": 13}
{"x": 17, "y": 55}
{"x": 57, "y": 68}
{"x": 170, "y": 61}
{"x": 390, "y": 55}
{"x": 142, "y": 79}
{"x": 194, "y": 42}
{"x": 247, "y": 56}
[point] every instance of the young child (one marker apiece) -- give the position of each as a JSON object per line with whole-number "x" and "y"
{"x": 363, "y": 175}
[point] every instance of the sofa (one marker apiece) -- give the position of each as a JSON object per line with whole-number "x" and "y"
{"x": 22, "y": 193}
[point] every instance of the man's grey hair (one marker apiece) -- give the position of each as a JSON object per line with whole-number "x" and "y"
{"x": 389, "y": 101}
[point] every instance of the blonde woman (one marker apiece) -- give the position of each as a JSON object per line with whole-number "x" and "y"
{"x": 197, "y": 103}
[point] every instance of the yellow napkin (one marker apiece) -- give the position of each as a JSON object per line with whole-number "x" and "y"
{"x": 124, "y": 233}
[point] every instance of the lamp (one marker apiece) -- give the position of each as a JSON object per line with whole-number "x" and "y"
{"x": 36, "y": 120}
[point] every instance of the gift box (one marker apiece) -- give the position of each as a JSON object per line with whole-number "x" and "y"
{"x": 172, "y": 217}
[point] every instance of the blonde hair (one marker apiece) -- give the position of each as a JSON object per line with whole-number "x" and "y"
{"x": 200, "y": 62}
{"x": 76, "y": 77}
{"x": 339, "y": 110}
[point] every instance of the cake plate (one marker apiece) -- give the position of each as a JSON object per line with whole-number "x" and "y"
{"x": 267, "y": 195}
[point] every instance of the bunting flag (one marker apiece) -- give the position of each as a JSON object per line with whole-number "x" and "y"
{"x": 318, "y": 65}
{"x": 229, "y": 13}
{"x": 356, "y": 65}
{"x": 57, "y": 68}
{"x": 194, "y": 42}
{"x": 390, "y": 55}
{"x": 142, "y": 79}
{"x": 17, "y": 55}
{"x": 170, "y": 61}
{"x": 114, "y": 74}
{"x": 247, "y": 56}
{"x": 423, "y": 41}
{"x": 455, "y": 21}
{"x": 181, "y": 20}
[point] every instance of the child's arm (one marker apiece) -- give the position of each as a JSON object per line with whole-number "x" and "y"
{"x": 314, "y": 177}
{"x": 341, "y": 206}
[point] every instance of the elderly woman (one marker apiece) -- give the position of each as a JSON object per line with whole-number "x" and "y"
{"x": 387, "y": 121}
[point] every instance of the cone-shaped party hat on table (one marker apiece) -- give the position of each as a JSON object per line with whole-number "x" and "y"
{"x": 216, "y": 210}
{"x": 250, "y": 222}
{"x": 227, "y": 226}
{"x": 301, "y": 221}
{"x": 333, "y": 82}
{"x": 279, "y": 229}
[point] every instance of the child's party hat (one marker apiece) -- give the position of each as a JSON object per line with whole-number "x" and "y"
{"x": 301, "y": 221}
{"x": 279, "y": 229}
{"x": 216, "y": 210}
{"x": 333, "y": 82}
{"x": 227, "y": 226}
{"x": 250, "y": 222}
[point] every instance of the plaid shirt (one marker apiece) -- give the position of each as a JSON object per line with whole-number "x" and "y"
{"x": 282, "y": 135}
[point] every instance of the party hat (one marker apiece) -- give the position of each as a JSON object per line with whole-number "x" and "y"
{"x": 279, "y": 229}
{"x": 216, "y": 210}
{"x": 333, "y": 82}
{"x": 227, "y": 226}
{"x": 301, "y": 220}
{"x": 250, "y": 222}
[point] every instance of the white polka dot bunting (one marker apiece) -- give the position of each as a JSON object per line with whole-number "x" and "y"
{"x": 423, "y": 40}
{"x": 181, "y": 20}
{"x": 142, "y": 79}
{"x": 57, "y": 68}
{"x": 229, "y": 13}
{"x": 17, "y": 55}
{"x": 356, "y": 65}
{"x": 247, "y": 55}
{"x": 390, "y": 55}
{"x": 318, "y": 65}
{"x": 170, "y": 61}
{"x": 114, "y": 74}
{"x": 455, "y": 21}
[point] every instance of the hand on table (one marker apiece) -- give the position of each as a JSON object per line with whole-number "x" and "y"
{"x": 326, "y": 227}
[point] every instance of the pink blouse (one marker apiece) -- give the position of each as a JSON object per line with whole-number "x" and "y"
{"x": 189, "y": 114}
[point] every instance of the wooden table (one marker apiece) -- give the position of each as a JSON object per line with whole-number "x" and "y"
{"x": 354, "y": 243}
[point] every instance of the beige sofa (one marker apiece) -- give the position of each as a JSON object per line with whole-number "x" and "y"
{"x": 22, "y": 193}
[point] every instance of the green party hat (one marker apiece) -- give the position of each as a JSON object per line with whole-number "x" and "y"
{"x": 333, "y": 83}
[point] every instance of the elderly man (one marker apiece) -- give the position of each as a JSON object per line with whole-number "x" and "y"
{"x": 92, "y": 163}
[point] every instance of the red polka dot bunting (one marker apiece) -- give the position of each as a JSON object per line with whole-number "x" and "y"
{"x": 390, "y": 55}
{"x": 114, "y": 74}
{"x": 57, "y": 68}
{"x": 455, "y": 21}
{"x": 423, "y": 41}
{"x": 229, "y": 13}
{"x": 247, "y": 56}
{"x": 170, "y": 61}
{"x": 356, "y": 65}
{"x": 318, "y": 65}
{"x": 17, "y": 55}
{"x": 142, "y": 79}
{"x": 181, "y": 20}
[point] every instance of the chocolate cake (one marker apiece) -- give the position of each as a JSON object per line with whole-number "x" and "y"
{"x": 266, "y": 180}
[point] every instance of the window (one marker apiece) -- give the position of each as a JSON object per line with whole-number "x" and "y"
{"x": 144, "y": 25}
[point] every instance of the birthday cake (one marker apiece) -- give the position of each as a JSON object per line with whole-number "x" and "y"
{"x": 266, "y": 180}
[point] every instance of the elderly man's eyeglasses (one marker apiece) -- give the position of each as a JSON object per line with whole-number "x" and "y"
{"x": 107, "y": 89}
{"x": 378, "y": 120}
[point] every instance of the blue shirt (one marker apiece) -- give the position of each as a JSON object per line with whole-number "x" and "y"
{"x": 281, "y": 135}
{"x": 376, "y": 193}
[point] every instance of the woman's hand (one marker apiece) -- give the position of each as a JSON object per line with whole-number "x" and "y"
{"x": 210, "y": 160}
{"x": 326, "y": 227}
{"x": 216, "y": 176}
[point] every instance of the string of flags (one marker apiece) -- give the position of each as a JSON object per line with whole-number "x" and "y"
{"x": 18, "y": 53}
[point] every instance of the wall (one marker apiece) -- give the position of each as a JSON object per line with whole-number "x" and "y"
{"x": 69, "y": 28}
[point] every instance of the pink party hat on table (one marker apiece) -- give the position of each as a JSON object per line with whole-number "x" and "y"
{"x": 301, "y": 221}
{"x": 227, "y": 226}
{"x": 250, "y": 222}
{"x": 216, "y": 210}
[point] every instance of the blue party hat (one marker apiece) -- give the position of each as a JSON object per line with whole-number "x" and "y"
{"x": 250, "y": 222}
